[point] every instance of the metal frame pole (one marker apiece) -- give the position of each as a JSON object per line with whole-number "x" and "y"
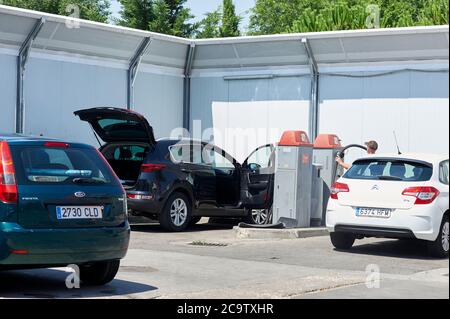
{"x": 187, "y": 87}
{"x": 315, "y": 94}
{"x": 134, "y": 69}
{"x": 22, "y": 61}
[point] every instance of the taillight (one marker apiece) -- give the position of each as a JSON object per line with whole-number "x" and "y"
{"x": 151, "y": 168}
{"x": 8, "y": 187}
{"x": 57, "y": 145}
{"x": 423, "y": 194}
{"x": 338, "y": 188}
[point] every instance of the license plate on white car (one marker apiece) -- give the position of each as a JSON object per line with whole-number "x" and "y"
{"x": 79, "y": 212}
{"x": 374, "y": 212}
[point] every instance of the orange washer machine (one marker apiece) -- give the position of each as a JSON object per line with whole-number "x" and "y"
{"x": 293, "y": 175}
{"x": 325, "y": 172}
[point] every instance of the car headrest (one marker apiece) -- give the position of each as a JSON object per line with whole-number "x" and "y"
{"x": 398, "y": 170}
{"x": 125, "y": 154}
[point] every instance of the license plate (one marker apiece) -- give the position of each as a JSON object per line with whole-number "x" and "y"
{"x": 374, "y": 212}
{"x": 79, "y": 212}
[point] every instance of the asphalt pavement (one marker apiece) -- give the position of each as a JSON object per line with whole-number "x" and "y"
{"x": 209, "y": 261}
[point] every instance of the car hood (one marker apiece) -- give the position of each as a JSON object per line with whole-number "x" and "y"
{"x": 118, "y": 125}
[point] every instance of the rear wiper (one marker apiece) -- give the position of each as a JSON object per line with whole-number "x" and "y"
{"x": 389, "y": 178}
{"x": 88, "y": 181}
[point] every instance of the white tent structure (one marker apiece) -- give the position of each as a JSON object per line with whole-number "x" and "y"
{"x": 358, "y": 84}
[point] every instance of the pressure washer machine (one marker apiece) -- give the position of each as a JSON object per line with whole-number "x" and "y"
{"x": 293, "y": 177}
{"x": 325, "y": 172}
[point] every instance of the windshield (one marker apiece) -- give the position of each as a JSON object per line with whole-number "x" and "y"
{"x": 395, "y": 170}
{"x": 35, "y": 164}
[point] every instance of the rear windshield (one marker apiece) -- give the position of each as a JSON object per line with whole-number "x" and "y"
{"x": 122, "y": 128}
{"x": 38, "y": 165}
{"x": 395, "y": 170}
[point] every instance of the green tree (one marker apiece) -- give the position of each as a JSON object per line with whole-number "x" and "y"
{"x": 136, "y": 14}
{"x": 434, "y": 12}
{"x": 209, "y": 27}
{"x": 283, "y": 16}
{"x": 230, "y": 21}
{"x": 172, "y": 17}
{"x": 338, "y": 15}
{"x": 95, "y": 10}
{"x": 220, "y": 23}
{"x": 278, "y": 16}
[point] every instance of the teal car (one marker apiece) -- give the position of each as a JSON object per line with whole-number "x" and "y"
{"x": 61, "y": 204}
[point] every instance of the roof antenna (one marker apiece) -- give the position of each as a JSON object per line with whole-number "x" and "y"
{"x": 396, "y": 143}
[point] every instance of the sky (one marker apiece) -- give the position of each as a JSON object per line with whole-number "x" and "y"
{"x": 200, "y": 7}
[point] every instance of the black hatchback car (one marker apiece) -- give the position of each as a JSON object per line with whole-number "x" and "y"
{"x": 179, "y": 181}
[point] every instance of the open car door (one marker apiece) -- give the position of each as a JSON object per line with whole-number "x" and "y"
{"x": 257, "y": 178}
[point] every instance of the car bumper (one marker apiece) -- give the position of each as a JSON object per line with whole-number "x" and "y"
{"x": 418, "y": 222}
{"x": 40, "y": 247}
{"x": 145, "y": 206}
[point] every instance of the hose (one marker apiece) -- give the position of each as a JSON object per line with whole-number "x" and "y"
{"x": 341, "y": 154}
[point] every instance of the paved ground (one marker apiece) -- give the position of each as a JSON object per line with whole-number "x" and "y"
{"x": 209, "y": 262}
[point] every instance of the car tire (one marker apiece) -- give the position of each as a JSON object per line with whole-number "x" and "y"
{"x": 342, "y": 241}
{"x": 440, "y": 247}
{"x": 259, "y": 217}
{"x": 177, "y": 213}
{"x": 99, "y": 273}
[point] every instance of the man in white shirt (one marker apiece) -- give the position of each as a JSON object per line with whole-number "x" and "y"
{"x": 372, "y": 148}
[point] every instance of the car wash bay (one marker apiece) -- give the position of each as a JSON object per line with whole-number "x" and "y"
{"x": 359, "y": 85}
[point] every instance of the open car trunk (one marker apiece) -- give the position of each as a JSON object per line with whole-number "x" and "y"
{"x": 126, "y": 159}
{"x": 128, "y": 136}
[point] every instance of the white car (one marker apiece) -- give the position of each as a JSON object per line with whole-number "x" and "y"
{"x": 392, "y": 196}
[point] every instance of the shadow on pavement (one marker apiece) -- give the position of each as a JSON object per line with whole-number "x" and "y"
{"x": 404, "y": 248}
{"x": 50, "y": 283}
{"x": 213, "y": 224}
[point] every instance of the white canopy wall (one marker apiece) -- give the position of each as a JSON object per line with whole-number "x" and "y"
{"x": 7, "y": 92}
{"x": 371, "y": 81}
{"x": 412, "y": 104}
{"x": 77, "y": 64}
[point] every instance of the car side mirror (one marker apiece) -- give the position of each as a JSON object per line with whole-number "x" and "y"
{"x": 254, "y": 166}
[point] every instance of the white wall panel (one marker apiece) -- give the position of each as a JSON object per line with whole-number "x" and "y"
{"x": 205, "y": 91}
{"x": 248, "y": 113}
{"x": 413, "y": 104}
{"x": 241, "y": 127}
{"x": 55, "y": 89}
{"x": 7, "y": 93}
{"x": 160, "y": 99}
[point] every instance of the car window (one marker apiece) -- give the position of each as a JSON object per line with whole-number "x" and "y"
{"x": 262, "y": 157}
{"x": 217, "y": 158}
{"x": 186, "y": 153}
{"x": 130, "y": 153}
{"x": 390, "y": 169}
{"x": 444, "y": 172}
{"x": 57, "y": 165}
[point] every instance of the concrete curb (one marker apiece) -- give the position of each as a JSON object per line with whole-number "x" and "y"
{"x": 297, "y": 233}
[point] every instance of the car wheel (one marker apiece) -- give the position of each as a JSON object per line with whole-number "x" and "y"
{"x": 176, "y": 214}
{"x": 195, "y": 220}
{"x": 259, "y": 217}
{"x": 440, "y": 247}
{"x": 99, "y": 273}
{"x": 342, "y": 241}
